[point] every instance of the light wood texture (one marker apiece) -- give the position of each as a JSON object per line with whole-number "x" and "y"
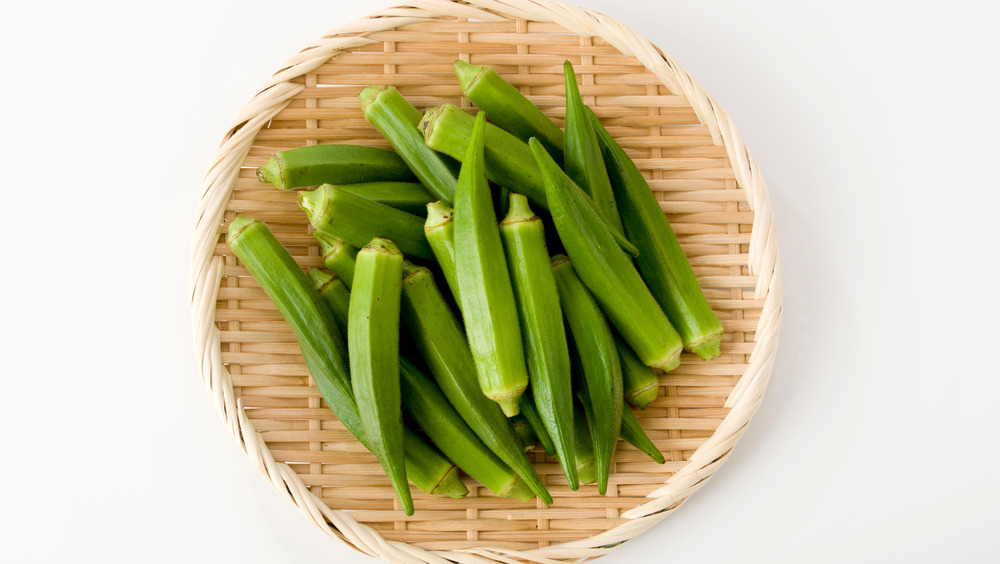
{"x": 708, "y": 186}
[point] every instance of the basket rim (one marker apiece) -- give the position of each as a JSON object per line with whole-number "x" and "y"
{"x": 277, "y": 92}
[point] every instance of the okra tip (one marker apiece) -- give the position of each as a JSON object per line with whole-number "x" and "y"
{"x": 467, "y": 73}
{"x": 708, "y": 348}
{"x": 519, "y": 490}
{"x": 270, "y": 173}
{"x": 238, "y": 225}
{"x": 451, "y": 485}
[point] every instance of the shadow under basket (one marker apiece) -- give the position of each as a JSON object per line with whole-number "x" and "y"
{"x": 686, "y": 146}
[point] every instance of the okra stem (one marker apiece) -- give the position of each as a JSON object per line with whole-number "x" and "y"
{"x": 435, "y": 331}
{"x": 640, "y": 382}
{"x": 524, "y": 432}
{"x": 397, "y": 121}
{"x": 484, "y": 285}
{"x": 507, "y": 107}
{"x": 607, "y": 272}
{"x": 373, "y": 345}
{"x": 662, "y": 263}
{"x": 583, "y": 160}
{"x": 338, "y": 256}
{"x": 598, "y": 367}
{"x": 428, "y": 405}
{"x": 333, "y": 164}
{"x": 440, "y": 232}
{"x": 542, "y": 326}
{"x": 357, "y": 220}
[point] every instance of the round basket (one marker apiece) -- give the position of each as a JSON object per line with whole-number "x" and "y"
{"x": 708, "y": 186}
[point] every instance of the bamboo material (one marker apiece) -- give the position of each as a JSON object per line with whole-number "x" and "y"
{"x": 698, "y": 169}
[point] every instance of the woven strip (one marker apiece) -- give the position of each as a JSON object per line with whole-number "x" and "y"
{"x": 208, "y": 275}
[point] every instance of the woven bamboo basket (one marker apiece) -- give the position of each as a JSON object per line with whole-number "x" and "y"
{"x": 708, "y": 186}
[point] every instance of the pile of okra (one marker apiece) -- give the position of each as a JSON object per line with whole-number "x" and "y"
{"x": 493, "y": 283}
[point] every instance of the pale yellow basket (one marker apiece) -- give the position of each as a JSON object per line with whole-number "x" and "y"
{"x": 708, "y": 186}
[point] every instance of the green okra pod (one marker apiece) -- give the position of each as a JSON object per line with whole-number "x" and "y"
{"x": 357, "y": 220}
{"x": 440, "y": 232}
{"x": 634, "y": 435}
{"x": 410, "y": 197}
{"x": 323, "y": 347}
{"x": 542, "y": 326}
{"x": 524, "y": 432}
{"x": 338, "y": 256}
{"x": 662, "y": 263}
{"x": 583, "y": 447}
{"x": 397, "y": 121}
{"x": 507, "y": 107}
{"x": 531, "y": 414}
{"x": 436, "y": 332}
{"x": 598, "y": 367}
{"x": 373, "y": 345}
{"x": 608, "y": 272}
{"x": 488, "y": 305}
{"x": 639, "y": 381}
{"x": 332, "y": 164}
{"x": 509, "y": 162}
{"x": 446, "y": 429}
{"x": 583, "y": 161}
{"x": 335, "y": 293}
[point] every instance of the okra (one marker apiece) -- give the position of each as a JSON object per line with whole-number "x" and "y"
{"x": 338, "y": 256}
{"x": 634, "y": 435}
{"x": 509, "y": 161}
{"x": 524, "y": 432}
{"x": 640, "y": 383}
{"x": 357, "y": 220}
{"x": 410, "y": 197}
{"x": 440, "y": 232}
{"x": 662, "y": 263}
{"x": 507, "y": 107}
{"x": 335, "y": 293}
{"x": 397, "y": 121}
{"x": 530, "y": 412}
{"x": 436, "y": 333}
{"x": 446, "y": 429}
{"x": 598, "y": 367}
{"x": 332, "y": 164}
{"x": 583, "y": 448}
{"x": 542, "y": 326}
{"x": 323, "y": 346}
{"x": 484, "y": 286}
{"x": 608, "y": 272}
{"x": 583, "y": 161}
{"x": 373, "y": 346}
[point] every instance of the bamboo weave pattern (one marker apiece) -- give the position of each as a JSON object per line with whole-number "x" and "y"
{"x": 708, "y": 186}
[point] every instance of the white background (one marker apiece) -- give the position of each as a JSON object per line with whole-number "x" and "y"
{"x": 874, "y": 123}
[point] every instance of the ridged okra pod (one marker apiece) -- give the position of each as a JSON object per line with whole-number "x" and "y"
{"x": 507, "y": 107}
{"x": 608, "y": 272}
{"x": 373, "y": 344}
{"x": 436, "y": 332}
{"x": 662, "y": 263}
{"x": 509, "y": 162}
{"x": 323, "y": 346}
{"x": 332, "y": 164}
{"x": 410, "y": 197}
{"x": 397, "y": 121}
{"x": 335, "y": 293}
{"x": 640, "y": 383}
{"x": 634, "y": 435}
{"x": 357, "y": 220}
{"x": 598, "y": 367}
{"x": 446, "y": 429}
{"x": 338, "y": 256}
{"x": 531, "y": 414}
{"x": 541, "y": 326}
{"x": 440, "y": 232}
{"x": 488, "y": 305}
{"x": 583, "y": 161}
